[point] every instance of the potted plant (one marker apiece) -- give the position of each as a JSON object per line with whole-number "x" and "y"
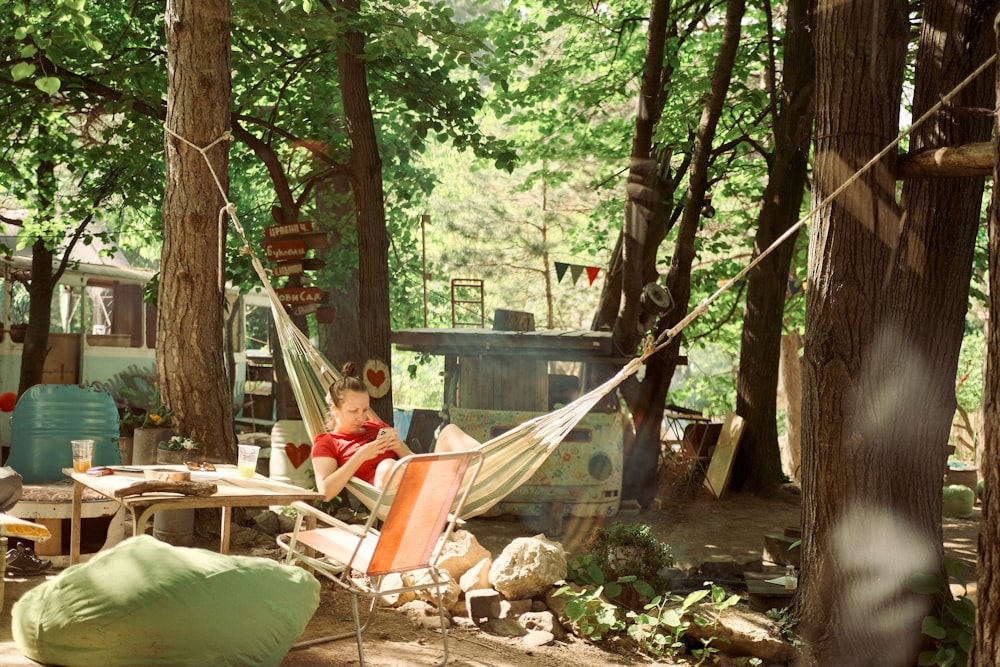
{"x": 177, "y": 449}
{"x": 129, "y": 421}
{"x": 156, "y": 427}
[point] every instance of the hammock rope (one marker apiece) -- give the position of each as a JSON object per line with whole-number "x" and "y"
{"x": 512, "y": 457}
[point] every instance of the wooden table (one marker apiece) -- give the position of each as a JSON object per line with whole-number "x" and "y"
{"x": 233, "y": 491}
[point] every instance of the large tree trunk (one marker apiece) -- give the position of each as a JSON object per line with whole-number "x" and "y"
{"x": 986, "y": 645}
{"x": 758, "y": 461}
{"x": 340, "y": 340}
{"x": 647, "y": 404}
{"x": 931, "y": 271}
{"x": 373, "y": 241}
{"x": 36, "y": 335}
{"x": 190, "y": 355}
{"x": 851, "y": 577}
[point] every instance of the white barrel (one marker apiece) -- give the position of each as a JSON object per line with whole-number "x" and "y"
{"x": 291, "y": 449}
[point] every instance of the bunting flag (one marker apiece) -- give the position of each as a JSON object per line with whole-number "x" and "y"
{"x": 575, "y": 271}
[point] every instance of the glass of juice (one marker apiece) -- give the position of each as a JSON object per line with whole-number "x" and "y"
{"x": 246, "y": 461}
{"x": 83, "y": 453}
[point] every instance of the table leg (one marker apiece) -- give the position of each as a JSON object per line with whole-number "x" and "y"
{"x": 224, "y": 537}
{"x": 75, "y": 521}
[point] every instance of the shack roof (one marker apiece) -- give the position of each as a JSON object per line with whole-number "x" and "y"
{"x": 549, "y": 344}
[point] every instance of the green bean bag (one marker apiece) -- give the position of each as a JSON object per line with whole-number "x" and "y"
{"x": 145, "y": 602}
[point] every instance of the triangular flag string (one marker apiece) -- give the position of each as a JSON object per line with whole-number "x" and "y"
{"x": 561, "y": 270}
{"x": 575, "y": 271}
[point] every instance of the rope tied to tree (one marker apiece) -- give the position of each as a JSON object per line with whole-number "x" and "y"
{"x": 664, "y": 339}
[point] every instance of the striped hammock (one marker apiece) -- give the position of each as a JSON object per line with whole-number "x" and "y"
{"x": 510, "y": 459}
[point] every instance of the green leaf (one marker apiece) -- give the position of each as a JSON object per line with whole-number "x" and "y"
{"x": 644, "y": 589}
{"x": 693, "y": 597}
{"x": 21, "y": 71}
{"x": 963, "y": 610}
{"x": 924, "y": 583}
{"x": 48, "y": 84}
{"x": 932, "y": 627}
{"x": 927, "y": 658}
{"x": 28, "y": 51}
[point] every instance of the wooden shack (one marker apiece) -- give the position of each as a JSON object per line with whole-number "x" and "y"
{"x": 504, "y": 369}
{"x": 495, "y": 379}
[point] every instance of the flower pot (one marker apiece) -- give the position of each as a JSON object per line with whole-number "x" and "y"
{"x": 145, "y": 442}
{"x": 165, "y": 456}
{"x": 174, "y": 527}
{"x": 125, "y": 449}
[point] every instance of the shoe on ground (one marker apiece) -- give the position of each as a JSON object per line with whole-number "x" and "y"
{"x": 22, "y": 560}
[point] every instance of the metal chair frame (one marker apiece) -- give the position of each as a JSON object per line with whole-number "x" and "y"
{"x": 427, "y": 493}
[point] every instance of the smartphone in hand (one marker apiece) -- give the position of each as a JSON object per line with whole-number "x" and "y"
{"x": 385, "y": 431}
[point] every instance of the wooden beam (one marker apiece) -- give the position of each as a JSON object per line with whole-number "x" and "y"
{"x": 948, "y": 162}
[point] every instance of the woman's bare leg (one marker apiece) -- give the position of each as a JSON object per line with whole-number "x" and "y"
{"x": 454, "y": 439}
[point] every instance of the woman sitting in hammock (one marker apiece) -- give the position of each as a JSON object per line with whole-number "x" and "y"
{"x": 356, "y": 444}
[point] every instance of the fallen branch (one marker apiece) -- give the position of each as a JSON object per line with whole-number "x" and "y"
{"x": 200, "y": 489}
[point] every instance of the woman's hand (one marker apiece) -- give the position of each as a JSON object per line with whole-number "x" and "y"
{"x": 388, "y": 440}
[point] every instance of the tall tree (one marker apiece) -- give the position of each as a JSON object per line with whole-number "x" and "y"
{"x": 884, "y": 320}
{"x": 986, "y": 646}
{"x": 648, "y": 402}
{"x": 758, "y": 464}
{"x": 190, "y": 359}
{"x": 374, "y": 323}
{"x": 930, "y": 273}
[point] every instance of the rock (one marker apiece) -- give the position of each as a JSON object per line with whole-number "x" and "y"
{"x": 482, "y": 604}
{"x": 536, "y": 638}
{"x": 503, "y": 627}
{"x": 267, "y": 522}
{"x": 544, "y": 621}
{"x": 450, "y": 592}
{"x": 425, "y": 615}
{"x": 395, "y": 580}
{"x": 514, "y": 608}
{"x": 477, "y": 577}
{"x": 241, "y": 536}
{"x": 461, "y": 553}
{"x": 527, "y": 567}
{"x": 740, "y": 632}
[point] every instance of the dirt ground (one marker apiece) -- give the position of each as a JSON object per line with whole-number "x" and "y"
{"x": 697, "y": 528}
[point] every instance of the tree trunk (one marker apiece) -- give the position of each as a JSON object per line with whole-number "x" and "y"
{"x": 931, "y": 272}
{"x": 758, "y": 461}
{"x": 647, "y": 405}
{"x": 190, "y": 355}
{"x": 340, "y": 340}
{"x": 36, "y": 336}
{"x": 849, "y": 523}
{"x": 373, "y": 241}
{"x": 986, "y": 644}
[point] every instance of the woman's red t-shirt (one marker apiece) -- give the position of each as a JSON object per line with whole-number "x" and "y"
{"x": 342, "y": 446}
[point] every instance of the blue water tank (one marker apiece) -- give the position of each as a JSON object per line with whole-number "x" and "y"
{"x": 48, "y": 416}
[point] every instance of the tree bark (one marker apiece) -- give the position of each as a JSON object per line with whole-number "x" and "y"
{"x": 885, "y": 320}
{"x": 758, "y": 460}
{"x": 190, "y": 356}
{"x": 932, "y": 268}
{"x": 373, "y": 241}
{"x": 647, "y": 404}
{"x": 986, "y": 643}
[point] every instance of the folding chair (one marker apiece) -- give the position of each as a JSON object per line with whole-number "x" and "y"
{"x": 427, "y": 492}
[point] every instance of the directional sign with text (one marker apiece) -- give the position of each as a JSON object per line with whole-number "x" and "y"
{"x": 300, "y": 296}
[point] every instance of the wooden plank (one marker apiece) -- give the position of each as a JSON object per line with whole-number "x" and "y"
{"x": 721, "y": 466}
{"x": 551, "y": 345}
